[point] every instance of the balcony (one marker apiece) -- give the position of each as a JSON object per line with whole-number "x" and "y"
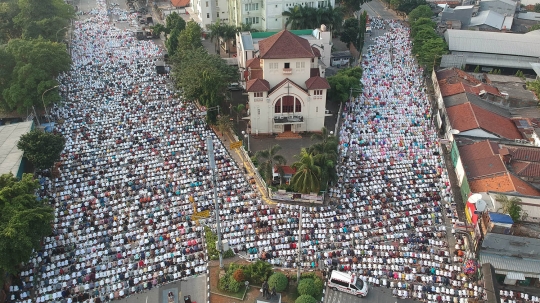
{"x": 287, "y": 71}
{"x": 288, "y": 119}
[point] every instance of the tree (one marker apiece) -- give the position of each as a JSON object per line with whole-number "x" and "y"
{"x": 510, "y": 206}
{"x": 407, "y": 6}
{"x": 351, "y": 6}
{"x": 239, "y": 109}
{"x": 422, "y": 11}
{"x": 224, "y": 123}
{"x": 278, "y": 281}
{"x": 350, "y": 31}
{"x": 537, "y": 7}
{"x": 259, "y": 271}
{"x": 421, "y": 23}
{"x": 43, "y": 18}
{"x": 342, "y": 83}
{"x": 299, "y": 16}
{"x": 174, "y": 21}
{"x": 307, "y": 287}
{"x": 305, "y": 299}
{"x": 41, "y": 148}
{"x": 431, "y": 52}
{"x": 307, "y": 178}
{"x": 8, "y": 30}
{"x": 36, "y": 64}
{"x": 267, "y": 159}
{"x": 325, "y": 155}
{"x": 24, "y": 221}
{"x": 157, "y": 29}
{"x": 182, "y": 40}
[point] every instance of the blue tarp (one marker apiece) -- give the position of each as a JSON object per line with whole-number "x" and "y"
{"x": 500, "y": 218}
{"x": 48, "y": 127}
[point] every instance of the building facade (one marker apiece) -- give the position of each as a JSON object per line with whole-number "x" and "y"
{"x": 285, "y": 89}
{"x": 266, "y": 15}
{"x": 206, "y": 12}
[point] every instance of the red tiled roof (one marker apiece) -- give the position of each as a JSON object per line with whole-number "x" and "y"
{"x": 479, "y": 159}
{"x": 462, "y": 117}
{"x": 526, "y": 169}
{"x": 317, "y": 83}
{"x": 253, "y": 63}
{"x": 498, "y": 183}
{"x": 450, "y": 89}
{"x": 277, "y": 86}
{"x": 180, "y": 3}
{"x": 529, "y": 154}
{"x": 476, "y": 150}
{"x": 523, "y": 187}
{"x": 468, "y": 116}
{"x": 256, "y": 74}
{"x": 257, "y": 85}
{"x": 455, "y": 75}
{"x": 287, "y": 170}
{"x": 481, "y": 87}
{"x": 285, "y": 45}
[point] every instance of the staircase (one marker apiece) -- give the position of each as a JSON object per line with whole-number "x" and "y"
{"x": 288, "y": 135}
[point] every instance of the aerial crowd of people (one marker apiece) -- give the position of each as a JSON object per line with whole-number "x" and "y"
{"x": 135, "y": 170}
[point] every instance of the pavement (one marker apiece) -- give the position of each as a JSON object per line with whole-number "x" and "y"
{"x": 195, "y": 287}
{"x": 375, "y": 295}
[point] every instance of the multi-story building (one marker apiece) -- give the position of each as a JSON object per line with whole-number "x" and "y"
{"x": 285, "y": 89}
{"x": 266, "y": 15}
{"x": 206, "y": 12}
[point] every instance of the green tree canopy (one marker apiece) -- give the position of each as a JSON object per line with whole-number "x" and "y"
{"x": 305, "y": 299}
{"x": 349, "y": 33}
{"x": 421, "y": 23}
{"x": 325, "y": 155}
{"x": 431, "y": 52}
{"x": 278, "y": 281}
{"x": 24, "y": 221}
{"x": 267, "y": 159}
{"x": 306, "y": 17}
{"x": 43, "y": 18}
{"x": 342, "y": 82}
{"x": 510, "y": 206}
{"x": 421, "y": 11}
{"x": 36, "y": 64}
{"x": 307, "y": 287}
{"x": 41, "y": 148}
{"x": 351, "y": 6}
{"x": 9, "y": 9}
{"x": 307, "y": 178}
{"x": 407, "y": 6}
{"x": 174, "y": 21}
{"x": 182, "y": 40}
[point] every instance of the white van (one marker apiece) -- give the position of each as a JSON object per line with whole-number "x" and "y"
{"x": 348, "y": 283}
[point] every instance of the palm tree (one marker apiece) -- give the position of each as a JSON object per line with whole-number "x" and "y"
{"x": 224, "y": 123}
{"x": 307, "y": 178}
{"x": 216, "y": 31}
{"x": 239, "y": 109}
{"x": 294, "y": 17}
{"x": 325, "y": 155}
{"x": 333, "y": 17}
{"x": 267, "y": 159}
{"x": 510, "y": 206}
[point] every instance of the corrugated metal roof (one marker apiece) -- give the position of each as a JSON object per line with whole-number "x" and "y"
{"x": 490, "y": 18}
{"x": 529, "y": 267}
{"x": 515, "y": 276}
{"x": 247, "y": 42}
{"x": 510, "y": 245}
{"x": 492, "y": 43}
{"x": 529, "y": 16}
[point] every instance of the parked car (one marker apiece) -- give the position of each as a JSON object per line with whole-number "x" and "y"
{"x": 235, "y": 86}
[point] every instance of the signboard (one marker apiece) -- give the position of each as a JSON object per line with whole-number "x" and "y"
{"x": 235, "y": 145}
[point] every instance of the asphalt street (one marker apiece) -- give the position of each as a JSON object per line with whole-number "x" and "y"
{"x": 375, "y": 295}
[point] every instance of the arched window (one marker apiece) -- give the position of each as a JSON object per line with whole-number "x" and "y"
{"x": 277, "y": 107}
{"x": 287, "y": 104}
{"x": 297, "y": 105}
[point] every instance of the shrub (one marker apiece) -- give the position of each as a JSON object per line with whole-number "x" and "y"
{"x": 319, "y": 286}
{"x": 307, "y": 287}
{"x": 260, "y": 271}
{"x": 228, "y": 283}
{"x": 305, "y": 299}
{"x": 278, "y": 281}
{"x": 223, "y": 283}
{"x": 234, "y": 285}
{"x": 228, "y": 254}
{"x": 238, "y": 275}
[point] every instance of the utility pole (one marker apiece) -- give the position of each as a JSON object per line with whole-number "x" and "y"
{"x": 299, "y": 246}
{"x": 213, "y": 169}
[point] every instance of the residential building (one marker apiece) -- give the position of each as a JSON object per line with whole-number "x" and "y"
{"x": 491, "y": 21}
{"x": 206, "y": 12}
{"x": 503, "y": 7}
{"x": 463, "y": 14}
{"x": 286, "y": 91}
{"x": 266, "y": 15}
{"x": 283, "y": 172}
{"x": 320, "y": 39}
{"x": 515, "y": 259}
{"x": 179, "y": 6}
{"x": 492, "y": 50}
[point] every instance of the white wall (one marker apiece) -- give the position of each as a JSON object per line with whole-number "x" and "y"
{"x": 298, "y": 75}
{"x": 529, "y": 205}
{"x": 460, "y": 171}
{"x": 478, "y": 133}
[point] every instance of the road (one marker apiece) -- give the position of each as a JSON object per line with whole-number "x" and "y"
{"x": 375, "y": 295}
{"x": 377, "y": 8}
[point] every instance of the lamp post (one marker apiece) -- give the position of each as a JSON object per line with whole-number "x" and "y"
{"x": 42, "y": 100}
{"x": 246, "y": 135}
{"x": 59, "y": 31}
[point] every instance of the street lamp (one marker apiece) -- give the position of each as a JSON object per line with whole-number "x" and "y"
{"x": 59, "y": 31}
{"x": 42, "y": 100}
{"x": 246, "y": 135}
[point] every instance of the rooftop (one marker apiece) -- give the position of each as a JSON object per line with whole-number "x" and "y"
{"x": 490, "y": 18}
{"x": 509, "y": 245}
{"x": 493, "y": 43}
{"x": 510, "y": 264}
{"x": 257, "y": 85}
{"x": 180, "y": 3}
{"x": 284, "y": 45}
{"x": 10, "y": 155}
{"x": 317, "y": 83}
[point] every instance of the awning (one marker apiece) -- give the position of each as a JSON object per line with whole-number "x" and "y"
{"x": 515, "y": 276}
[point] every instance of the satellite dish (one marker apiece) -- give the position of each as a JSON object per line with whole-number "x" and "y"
{"x": 481, "y": 205}
{"x": 454, "y": 131}
{"x": 474, "y": 198}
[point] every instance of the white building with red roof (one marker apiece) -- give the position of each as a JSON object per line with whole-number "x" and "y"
{"x": 285, "y": 85}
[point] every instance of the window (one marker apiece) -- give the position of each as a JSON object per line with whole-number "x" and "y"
{"x": 251, "y": 7}
{"x": 341, "y": 283}
{"x": 218, "y": 14}
{"x": 252, "y": 20}
{"x": 206, "y": 3}
{"x": 207, "y": 15}
{"x": 258, "y": 111}
{"x": 258, "y": 94}
{"x": 287, "y": 65}
{"x": 317, "y": 109}
{"x": 317, "y": 92}
{"x": 287, "y": 104}
{"x": 277, "y": 107}
{"x": 297, "y": 106}
{"x": 273, "y": 65}
{"x": 300, "y": 65}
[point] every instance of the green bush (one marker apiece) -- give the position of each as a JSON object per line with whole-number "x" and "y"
{"x": 278, "y": 281}
{"x": 258, "y": 272}
{"x": 238, "y": 275}
{"x": 234, "y": 285}
{"x": 228, "y": 283}
{"x": 228, "y": 254}
{"x": 319, "y": 286}
{"x": 305, "y": 299}
{"x": 307, "y": 287}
